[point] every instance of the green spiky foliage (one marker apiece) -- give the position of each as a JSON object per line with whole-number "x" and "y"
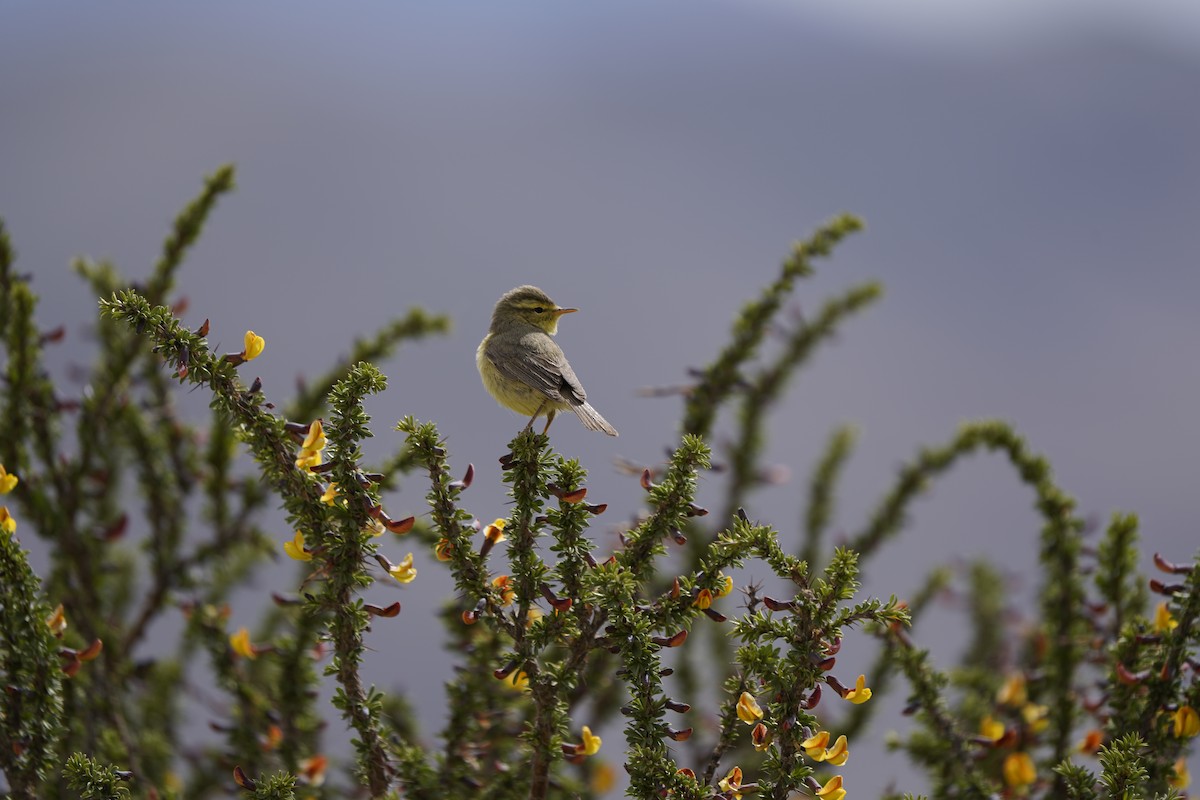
{"x": 702, "y": 689}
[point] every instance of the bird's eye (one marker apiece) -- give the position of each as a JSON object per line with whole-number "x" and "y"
{"x": 539, "y": 310}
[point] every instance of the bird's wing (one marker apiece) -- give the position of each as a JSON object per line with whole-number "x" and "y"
{"x": 544, "y": 367}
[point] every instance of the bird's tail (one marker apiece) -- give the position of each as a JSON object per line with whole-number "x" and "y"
{"x": 592, "y": 420}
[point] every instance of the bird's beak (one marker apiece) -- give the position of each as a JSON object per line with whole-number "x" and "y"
{"x": 558, "y": 312}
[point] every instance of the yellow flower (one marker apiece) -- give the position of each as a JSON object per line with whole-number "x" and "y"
{"x": 860, "y": 693}
{"x": 375, "y": 527}
{"x": 7, "y": 482}
{"x": 240, "y": 642}
{"x": 7, "y": 523}
{"x": 732, "y": 782}
{"x": 815, "y": 745}
{"x": 703, "y": 599}
{"x": 604, "y": 778}
{"x": 443, "y": 550}
{"x": 817, "y": 748}
{"x": 495, "y": 532}
{"x": 1035, "y": 717}
{"x": 991, "y": 728}
{"x": 330, "y": 495}
{"x": 832, "y": 790}
{"x": 308, "y": 459}
{"x": 1019, "y": 770}
{"x": 295, "y": 548}
{"x": 252, "y": 346}
{"x": 315, "y": 440}
{"x": 1180, "y": 778}
{"x": 725, "y": 586}
{"x": 748, "y": 710}
{"x": 1163, "y": 621}
{"x": 404, "y": 571}
{"x": 57, "y": 621}
{"x": 1187, "y": 723}
{"x": 310, "y": 449}
{"x": 1012, "y": 693}
{"x": 838, "y": 754}
{"x": 591, "y": 743}
{"x": 503, "y": 584}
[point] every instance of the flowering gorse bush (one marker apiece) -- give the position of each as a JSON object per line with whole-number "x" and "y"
{"x": 724, "y": 691}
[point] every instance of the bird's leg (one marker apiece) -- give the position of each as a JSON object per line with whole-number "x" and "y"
{"x": 538, "y": 413}
{"x": 549, "y": 419}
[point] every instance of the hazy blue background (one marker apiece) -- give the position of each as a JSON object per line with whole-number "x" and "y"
{"x": 1029, "y": 173}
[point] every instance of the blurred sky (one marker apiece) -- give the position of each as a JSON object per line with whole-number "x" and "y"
{"x": 1029, "y": 173}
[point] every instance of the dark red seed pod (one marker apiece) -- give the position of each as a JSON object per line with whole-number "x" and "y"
{"x": 575, "y": 496}
{"x": 647, "y": 484}
{"x": 670, "y": 641}
{"x": 243, "y": 780}
{"x": 1130, "y": 678}
{"x": 1170, "y": 567}
{"x": 389, "y": 611}
{"x": 400, "y": 526}
{"x": 777, "y": 605}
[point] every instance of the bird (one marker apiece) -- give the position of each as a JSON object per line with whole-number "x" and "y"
{"x": 524, "y": 369}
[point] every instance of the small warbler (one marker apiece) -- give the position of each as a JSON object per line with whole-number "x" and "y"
{"x": 524, "y": 369}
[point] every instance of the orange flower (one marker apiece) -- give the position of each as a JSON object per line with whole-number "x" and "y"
{"x": 495, "y": 532}
{"x": 503, "y": 584}
{"x": 312, "y": 770}
{"x": 760, "y": 737}
{"x": 57, "y": 621}
{"x": 732, "y": 782}
{"x": 1091, "y": 742}
{"x": 703, "y": 599}
{"x": 443, "y": 549}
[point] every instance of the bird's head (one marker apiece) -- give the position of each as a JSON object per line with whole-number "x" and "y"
{"x": 528, "y": 305}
